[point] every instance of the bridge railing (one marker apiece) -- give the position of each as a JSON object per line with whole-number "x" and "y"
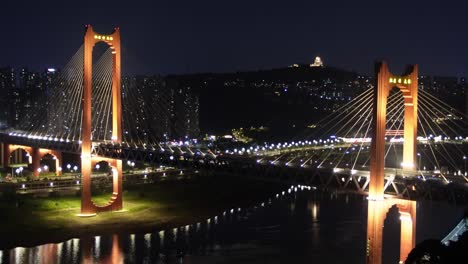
{"x": 456, "y": 232}
{"x": 75, "y": 182}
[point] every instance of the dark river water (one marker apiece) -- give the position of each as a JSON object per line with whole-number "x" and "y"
{"x": 303, "y": 226}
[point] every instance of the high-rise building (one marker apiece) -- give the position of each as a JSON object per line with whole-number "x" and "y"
{"x": 56, "y": 101}
{"x": 155, "y": 109}
{"x": 7, "y": 89}
{"x": 184, "y": 110}
{"x": 31, "y": 97}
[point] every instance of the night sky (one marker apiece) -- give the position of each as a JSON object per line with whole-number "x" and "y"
{"x": 161, "y": 37}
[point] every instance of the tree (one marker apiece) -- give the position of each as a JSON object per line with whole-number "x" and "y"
{"x": 430, "y": 251}
{"x": 458, "y": 251}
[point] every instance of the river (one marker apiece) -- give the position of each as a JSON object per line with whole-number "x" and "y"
{"x": 302, "y": 225}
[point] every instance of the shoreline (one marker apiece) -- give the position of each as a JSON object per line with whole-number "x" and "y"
{"x": 51, "y": 236}
{"x": 165, "y": 215}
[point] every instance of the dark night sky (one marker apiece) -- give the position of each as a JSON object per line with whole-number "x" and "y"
{"x": 201, "y": 36}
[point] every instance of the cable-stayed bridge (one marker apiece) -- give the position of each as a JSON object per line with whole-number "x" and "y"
{"x": 90, "y": 112}
{"x": 84, "y": 114}
{"x": 58, "y": 123}
{"x": 341, "y": 142}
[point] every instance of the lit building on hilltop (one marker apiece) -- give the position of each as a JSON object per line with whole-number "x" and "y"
{"x": 317, "y": 62}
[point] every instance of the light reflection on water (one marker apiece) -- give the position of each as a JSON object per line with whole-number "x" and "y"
{"x": 301, "y": 227}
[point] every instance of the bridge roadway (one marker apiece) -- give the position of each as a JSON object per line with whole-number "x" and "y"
{"x": 108, "y": 149}
{"x": 274, "y": 150}
{"x": 398, "y": 183}
{"x": 403, "y": 184}
{"x": 457, "y": 231}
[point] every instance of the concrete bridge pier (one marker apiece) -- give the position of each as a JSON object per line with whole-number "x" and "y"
{"x": 36, "y": 162}
{"x": 35, "y": 156}
{"x": 38, "y": 154}
{"x": 5, "y": 156}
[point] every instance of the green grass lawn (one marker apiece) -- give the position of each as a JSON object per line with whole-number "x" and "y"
{"x": 145, "y": 206}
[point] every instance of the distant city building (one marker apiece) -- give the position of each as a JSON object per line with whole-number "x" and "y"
{"x": 33, "y": 100}
{"x": 7, "y": 98}
{"x": 448, "y": 89}
{"x": 159, "y": 109}
{"x": 152, "y": 109}
{"x": 184, "y": 110}
{"x": 295, "y": 96}
{"x": 156, "y": 108}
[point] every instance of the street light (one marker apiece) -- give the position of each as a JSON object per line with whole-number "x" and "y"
{"x": 464, "y": 161}
{"x": 68, "y": 166}
{"x": 419, "y": 161}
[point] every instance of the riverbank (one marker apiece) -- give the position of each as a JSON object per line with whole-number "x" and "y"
{"x": 28, "y": 221}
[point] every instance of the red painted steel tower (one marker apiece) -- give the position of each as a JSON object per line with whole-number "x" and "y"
{"x": 113, "y": 40}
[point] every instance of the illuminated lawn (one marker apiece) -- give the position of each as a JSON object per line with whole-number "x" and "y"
{"x": 147, "y": 207}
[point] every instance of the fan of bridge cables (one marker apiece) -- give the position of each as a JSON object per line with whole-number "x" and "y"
{"x": 342, "y": 139}
{"x": 57, "y": 113}
{"x": 54, "y": 113}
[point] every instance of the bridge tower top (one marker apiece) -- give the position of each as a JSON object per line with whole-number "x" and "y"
{"x": 408, "y": 85}
{"x": 113, "y": 40}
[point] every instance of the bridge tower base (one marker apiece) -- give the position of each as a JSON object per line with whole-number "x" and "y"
{"x": 376, "y": 214}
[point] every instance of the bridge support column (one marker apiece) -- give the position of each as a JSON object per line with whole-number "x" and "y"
{"x": 117, "y": 187}
{"x": 5, "y": 155}
{"x": 58, "y": 166}
{"x": 18, "y": 157}
{"x": 36, "y": 162}
{"x": 58, "y": 162}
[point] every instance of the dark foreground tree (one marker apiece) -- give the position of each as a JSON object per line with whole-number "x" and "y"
{"x": 429, "y": 251}
{"x": 458, "y": 251}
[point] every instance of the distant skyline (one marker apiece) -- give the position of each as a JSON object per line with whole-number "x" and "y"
{"x": 176, "y": 37}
